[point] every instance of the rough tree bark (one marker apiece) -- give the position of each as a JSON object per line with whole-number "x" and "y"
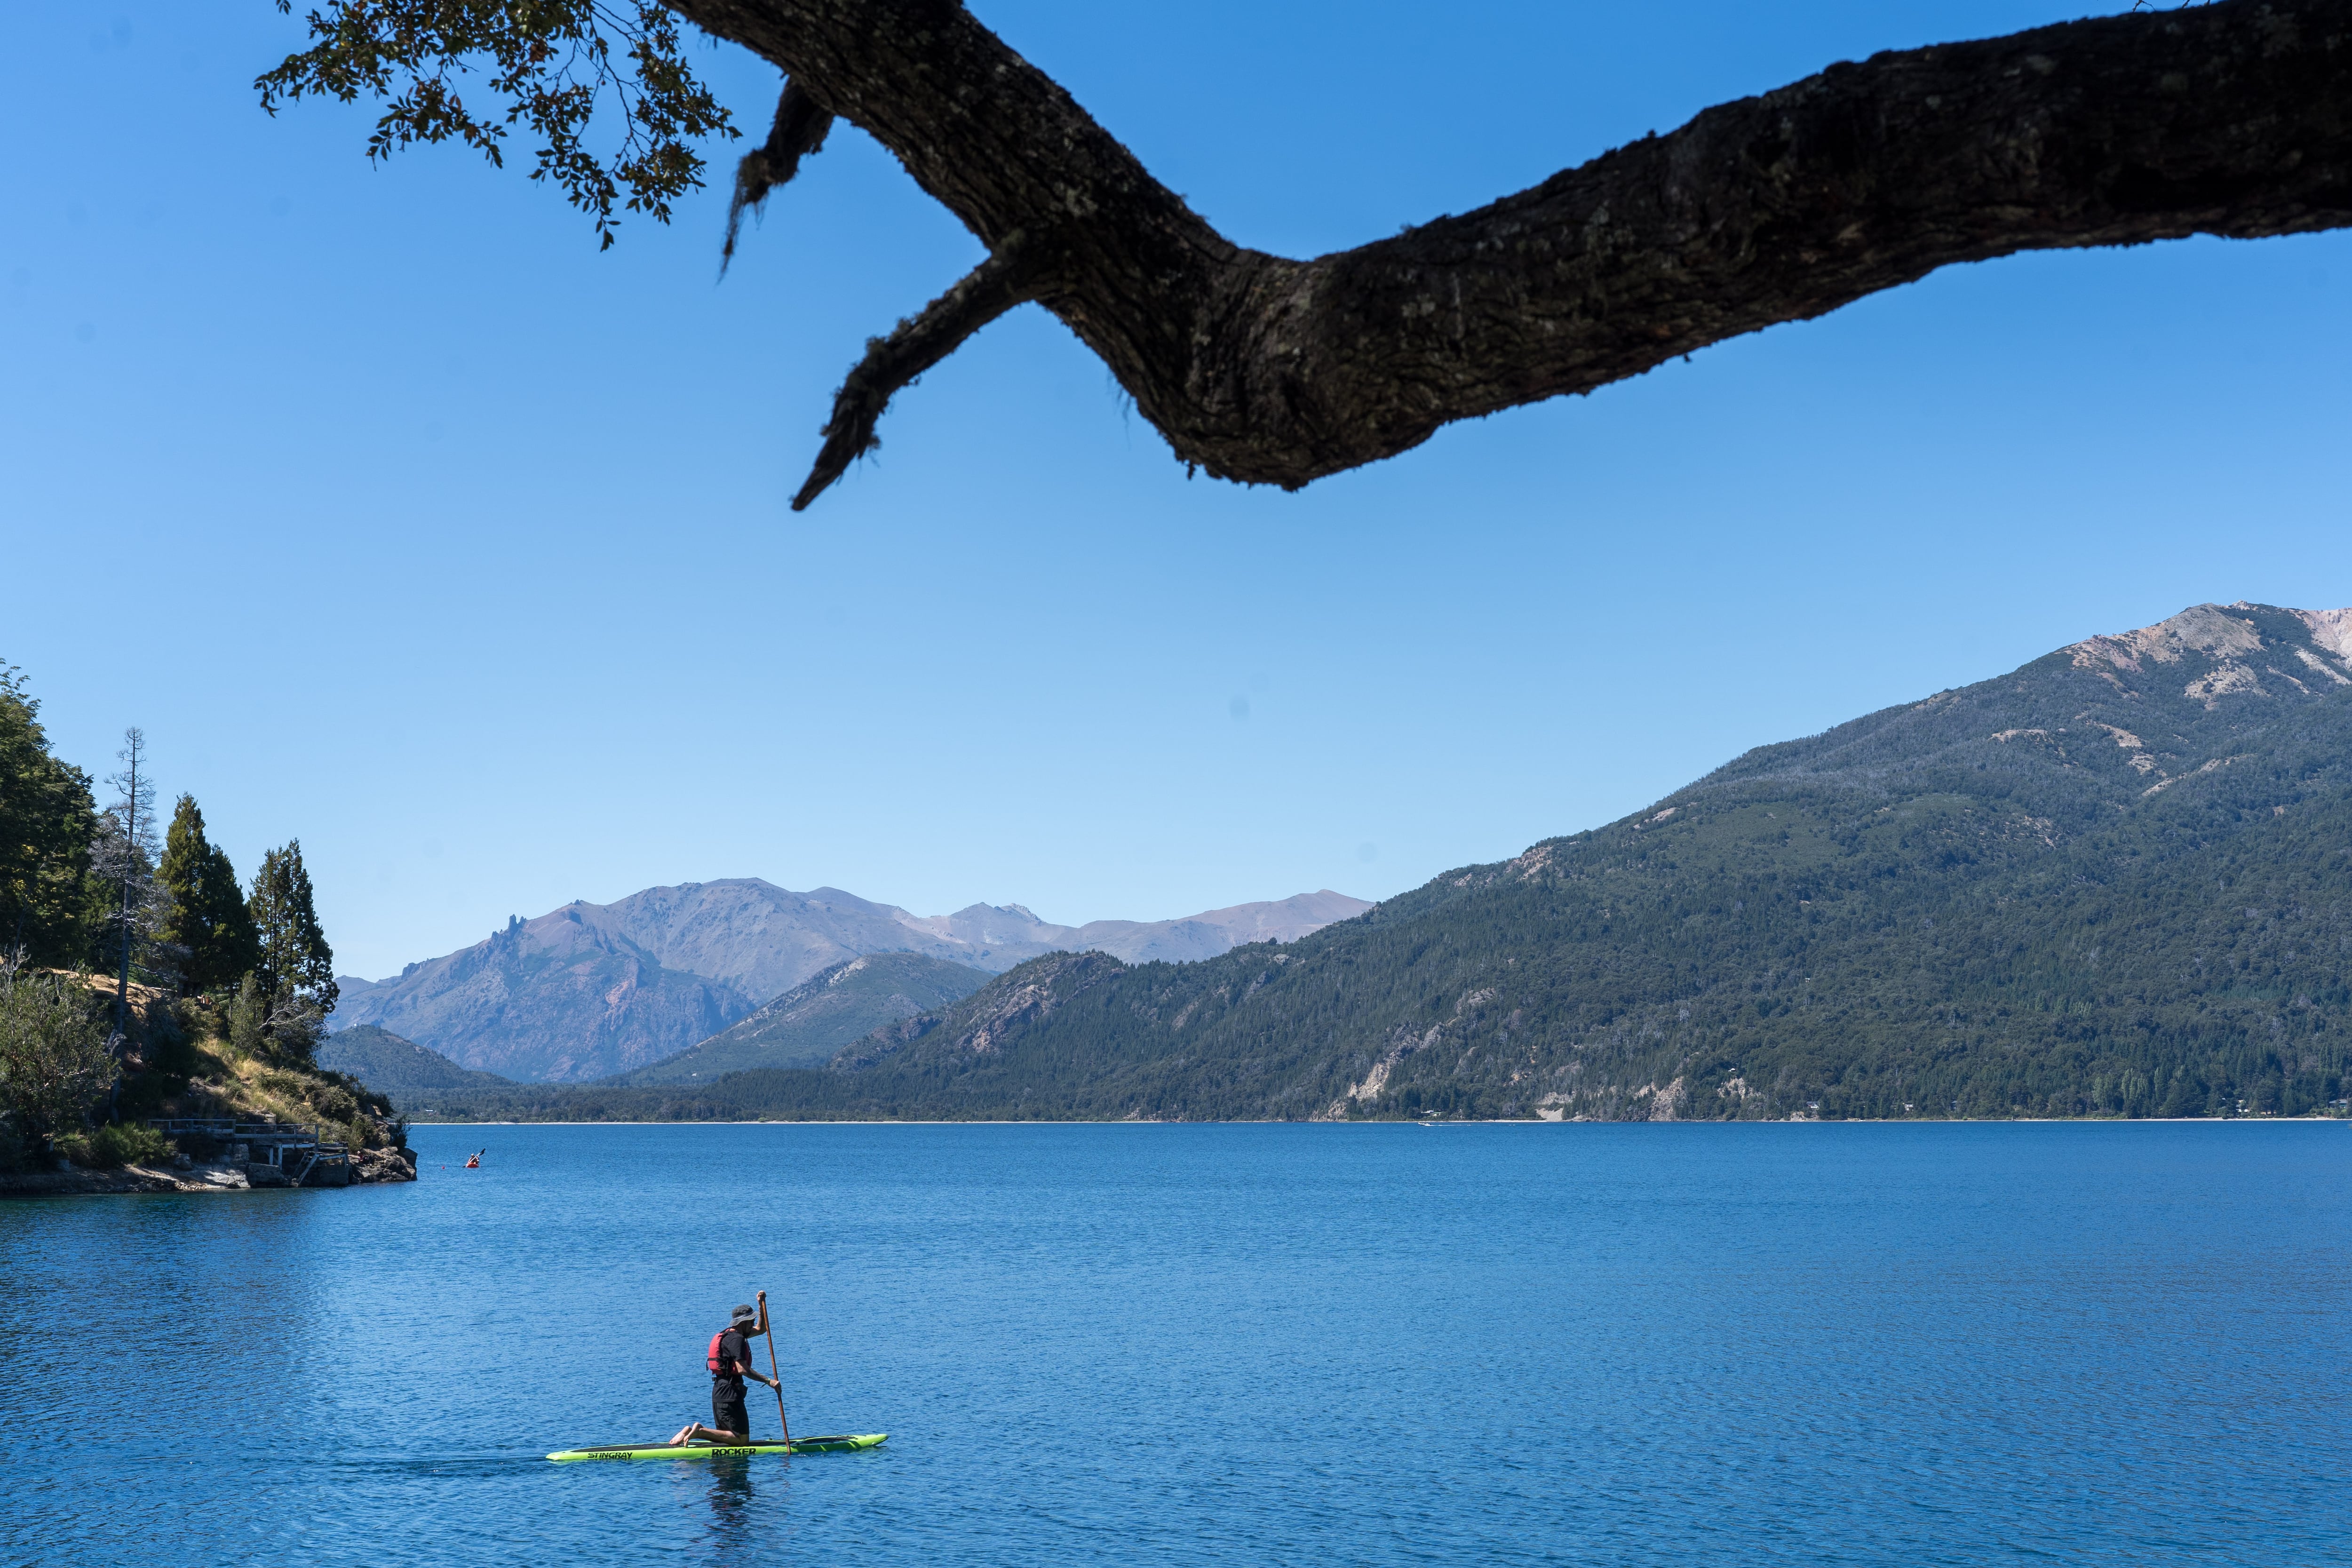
{"x": 2234, "y": 118}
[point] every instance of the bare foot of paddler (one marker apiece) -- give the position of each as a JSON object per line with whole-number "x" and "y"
{"x": 695, "y": 1431}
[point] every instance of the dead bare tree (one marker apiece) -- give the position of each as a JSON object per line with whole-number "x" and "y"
{"x": 123, "y": 856}
{"x": 2232, "y": 119}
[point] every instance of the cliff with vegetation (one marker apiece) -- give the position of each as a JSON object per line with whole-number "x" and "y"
{"x": 176, "y": 1058}
{"x": 2116, "y": 882}
{"x": 140, "y": 980}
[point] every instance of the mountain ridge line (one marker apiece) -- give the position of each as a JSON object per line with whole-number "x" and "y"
{"x": 586, "y": 990}
{"x": 2117, "y": 880}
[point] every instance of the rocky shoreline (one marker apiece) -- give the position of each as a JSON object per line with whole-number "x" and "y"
{"x": 368, "y": 1166}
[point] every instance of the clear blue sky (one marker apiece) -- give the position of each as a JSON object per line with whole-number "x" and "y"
{"x": 405, "y": 523}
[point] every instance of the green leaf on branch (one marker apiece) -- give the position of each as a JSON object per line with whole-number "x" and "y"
{"x": 546, "y": 65}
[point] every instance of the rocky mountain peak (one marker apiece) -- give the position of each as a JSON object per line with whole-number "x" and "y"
{"x": 2202, "y": 628}
{"x": 2227, "y": 650}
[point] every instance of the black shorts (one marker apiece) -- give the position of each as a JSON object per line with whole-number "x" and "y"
{"x": 727, "y": 1411}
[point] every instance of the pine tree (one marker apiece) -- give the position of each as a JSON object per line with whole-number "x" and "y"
{"x": 293, "y": 964}
{"x": 47, "y": 823}
{"x": 207, "y": 920}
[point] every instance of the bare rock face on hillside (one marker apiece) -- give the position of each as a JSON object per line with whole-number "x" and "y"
{"x": 589, "y": 991}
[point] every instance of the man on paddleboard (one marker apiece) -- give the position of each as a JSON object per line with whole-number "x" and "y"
{"x": 729, "y": 1361}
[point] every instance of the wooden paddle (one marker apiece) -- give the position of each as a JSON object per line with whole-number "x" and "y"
{"x": 773, "y": 1375}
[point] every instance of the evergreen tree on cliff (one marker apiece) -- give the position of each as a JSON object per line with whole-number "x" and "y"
{"x": 207, "y": 919}
{"x": 47, "y": 822}
{"x": 293, "y": 966}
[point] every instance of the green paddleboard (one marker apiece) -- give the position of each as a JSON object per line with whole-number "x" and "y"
{"x": 705, "y": 1450}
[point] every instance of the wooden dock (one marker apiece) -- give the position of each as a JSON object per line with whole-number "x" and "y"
{"x": 274, "y": 1153}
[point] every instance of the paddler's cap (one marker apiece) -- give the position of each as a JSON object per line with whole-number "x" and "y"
{"x": 743, "y": 1315}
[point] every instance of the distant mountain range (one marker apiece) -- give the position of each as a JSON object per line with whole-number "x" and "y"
{"x": 2116, "y": 882}
{"x": 806, "y": 1026}
{"x": 591, "y": 990}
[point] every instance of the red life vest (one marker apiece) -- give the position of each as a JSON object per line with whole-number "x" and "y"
{"x": 711, "y": 1359}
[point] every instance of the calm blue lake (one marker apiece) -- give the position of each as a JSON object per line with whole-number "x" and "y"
{"x": 1248, "y": 1345}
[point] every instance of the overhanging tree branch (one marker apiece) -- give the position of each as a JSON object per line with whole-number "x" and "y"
{"x": 986, "y": 292}
{"x": 2233, "y": 119}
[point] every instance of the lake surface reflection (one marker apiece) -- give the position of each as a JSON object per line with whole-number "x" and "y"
{"x": 1249, "y": 1344}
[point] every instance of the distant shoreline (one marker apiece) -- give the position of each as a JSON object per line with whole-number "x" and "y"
{"x": 1466, "y": 1121}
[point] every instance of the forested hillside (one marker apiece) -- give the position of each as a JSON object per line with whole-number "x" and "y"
{"x": 2115, "y": 881}
{"x": 396, "y": 1068}
{"x": 808, "y": 1024}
